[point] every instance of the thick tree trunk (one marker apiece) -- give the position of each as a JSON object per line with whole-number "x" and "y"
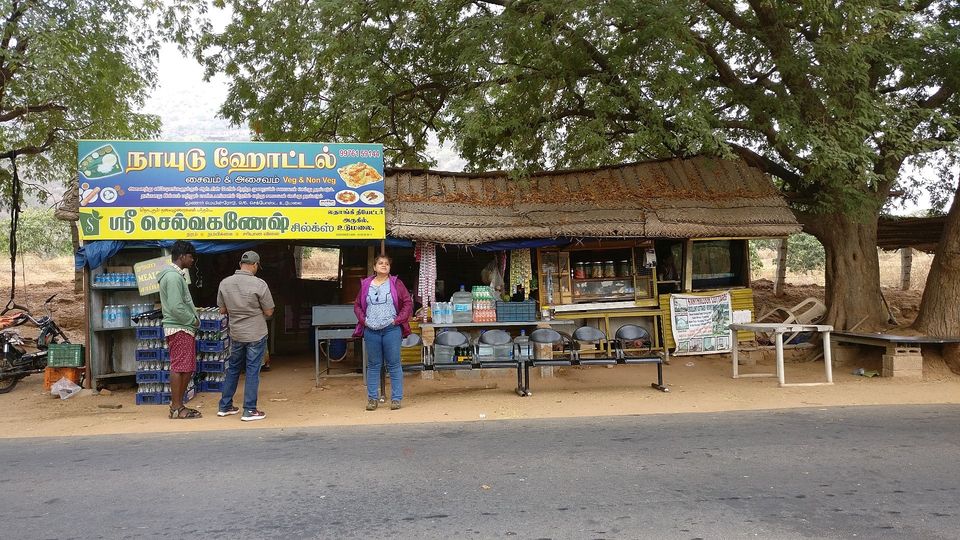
{"x": 852, "y": 270}
{"x": 781, "y": 280}
{"x": 939, "y": 315}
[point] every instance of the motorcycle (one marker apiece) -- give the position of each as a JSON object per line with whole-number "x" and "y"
{"x": 16, "y": 362}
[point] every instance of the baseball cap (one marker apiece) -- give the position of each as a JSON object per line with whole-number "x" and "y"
{"x": 250, "y": 257}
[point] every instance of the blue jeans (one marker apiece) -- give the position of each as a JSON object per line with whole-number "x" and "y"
{"x": 383, "y": 346}
{"x": 250, "y": 356}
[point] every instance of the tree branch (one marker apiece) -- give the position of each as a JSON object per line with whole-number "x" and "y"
{"x": 768, "y": 165}
{"x": 17, "y": 112}
{"x": 32, "y": 149}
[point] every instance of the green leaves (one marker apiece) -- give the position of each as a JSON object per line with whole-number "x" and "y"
{"x": 832, "y": 98}
{"x": 72, "y": 69}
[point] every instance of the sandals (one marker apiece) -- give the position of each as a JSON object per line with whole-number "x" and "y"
{"x": 184, "y": 413}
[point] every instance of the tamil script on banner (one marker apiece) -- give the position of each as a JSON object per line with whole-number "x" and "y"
{"x": 700, "y": 324}
{"x": 153, "y": 190}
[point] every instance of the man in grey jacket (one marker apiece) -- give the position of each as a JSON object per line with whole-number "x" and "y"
{"x": 247, "y": 301}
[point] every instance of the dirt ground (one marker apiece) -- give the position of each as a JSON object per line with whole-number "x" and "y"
{"x": 291, "y": 400}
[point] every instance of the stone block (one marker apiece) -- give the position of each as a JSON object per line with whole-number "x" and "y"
{"x": 902, "y": 365}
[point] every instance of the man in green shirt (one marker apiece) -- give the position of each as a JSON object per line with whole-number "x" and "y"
{"x": 180, "y": 325}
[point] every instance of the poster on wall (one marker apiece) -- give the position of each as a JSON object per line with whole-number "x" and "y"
{"x": 700, "y": 324}
{"x": 155, "y": 190}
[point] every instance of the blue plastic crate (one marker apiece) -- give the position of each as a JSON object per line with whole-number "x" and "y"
{"x": 153, "y": 376}
{"x": 211, "y": 386}
{"x": 162, "y": 398}
{"x": 525, "y": 311}
{"x": 153, "y": 398}
{"x": 213, "y": 325}
{"x": 211, "y": 367}
{"x": 146, "y": 355}
{"x": 219, "y": 345}
{"x": 150, "y": 332}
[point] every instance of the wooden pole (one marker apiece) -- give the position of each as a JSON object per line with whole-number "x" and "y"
{"x": 906, "y": 264}
{"x": 781, "y": 279}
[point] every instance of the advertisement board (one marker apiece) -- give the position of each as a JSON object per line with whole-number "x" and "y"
{"x": 700, "y": 324}
{"x": 154, "y": 190}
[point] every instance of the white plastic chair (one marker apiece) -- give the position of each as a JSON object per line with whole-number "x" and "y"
{"x": 809, "y": 311}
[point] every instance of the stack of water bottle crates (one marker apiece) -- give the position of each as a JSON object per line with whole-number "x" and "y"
{"x": 153, "y": 362}
{"x": 213, "y": 349}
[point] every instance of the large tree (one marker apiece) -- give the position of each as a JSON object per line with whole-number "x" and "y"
{"x": 832, "y": 98}
{"x": 70, "y": 69}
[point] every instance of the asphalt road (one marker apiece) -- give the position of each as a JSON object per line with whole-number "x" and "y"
{"x": 864, "y": 472}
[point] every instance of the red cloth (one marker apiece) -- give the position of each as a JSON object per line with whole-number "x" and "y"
{"x": 183, "y": 352}
{"x": 401, "y": 301}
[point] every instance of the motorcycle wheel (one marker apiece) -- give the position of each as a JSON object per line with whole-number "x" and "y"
{"x": 7, "y": 382}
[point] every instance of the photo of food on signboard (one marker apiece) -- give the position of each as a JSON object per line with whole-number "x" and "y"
{"x": 347, "y": 196}
{"x": 359, "y": 174}
{"x": 371, "y": 196}
{"x": 101, "y": 163}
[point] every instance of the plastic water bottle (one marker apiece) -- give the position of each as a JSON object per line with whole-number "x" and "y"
{"x": 462, "y": 306}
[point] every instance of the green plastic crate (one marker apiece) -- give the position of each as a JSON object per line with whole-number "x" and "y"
{"x": 64, "y": 355}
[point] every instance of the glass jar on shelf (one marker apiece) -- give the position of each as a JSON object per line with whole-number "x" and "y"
{"x": 580, "y": 270}
{"x": 623, "y": 268}
{"x": 609, "y": 270}
{"x": 596, "y": 269}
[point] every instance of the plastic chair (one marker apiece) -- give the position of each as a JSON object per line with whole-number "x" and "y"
{"x": 809, "y": 311}
{"x": 544, "y": 336}
{"x": 631, "y": 333}
{"x": 500, "y": 337}
{"x": 593, "y": 336}
{"x": 409, "y": 342}
{"x": 413, "y": 340}
{"x": 451, "y": 338}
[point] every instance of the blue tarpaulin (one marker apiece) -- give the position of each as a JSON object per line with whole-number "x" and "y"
{"x": 94, "y": 254}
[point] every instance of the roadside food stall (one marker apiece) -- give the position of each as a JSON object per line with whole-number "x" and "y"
{"x": 603, "y": 247}
{"x": 606, "y": 246}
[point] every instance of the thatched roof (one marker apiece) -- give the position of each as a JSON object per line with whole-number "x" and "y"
{"x": 696, "y": 197}
{"x": 921, "y": 233}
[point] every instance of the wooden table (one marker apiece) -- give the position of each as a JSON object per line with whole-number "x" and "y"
{"x": 778, "y": 329}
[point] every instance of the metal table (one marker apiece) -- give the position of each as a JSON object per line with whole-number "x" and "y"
{"x": 778, "y": 329}
{"x": 333, "y": 322}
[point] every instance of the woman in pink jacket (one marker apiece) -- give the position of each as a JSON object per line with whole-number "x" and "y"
{"x": 383, "y": 309}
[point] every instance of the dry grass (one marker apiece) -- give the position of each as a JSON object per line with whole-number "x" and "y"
{"x": 889, "y": 270}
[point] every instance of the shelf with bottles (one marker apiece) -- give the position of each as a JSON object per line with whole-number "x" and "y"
{"x": 114, "y": 281}
{"x": 597, "y": 272}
